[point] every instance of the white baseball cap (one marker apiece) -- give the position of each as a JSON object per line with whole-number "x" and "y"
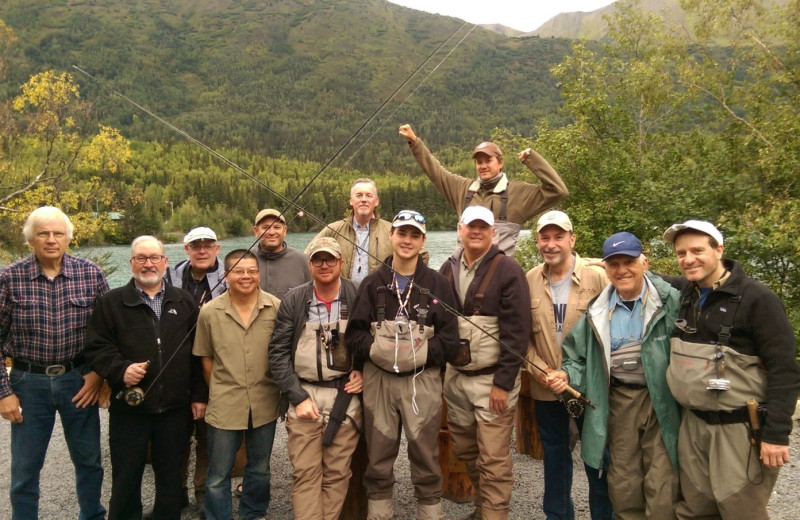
{"x": 199, "y": 233}
{"x": 473, "y": 213}
{"x": 698, "y": 225}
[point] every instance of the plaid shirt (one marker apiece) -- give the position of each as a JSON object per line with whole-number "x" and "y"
{"x": 43, "y": 321}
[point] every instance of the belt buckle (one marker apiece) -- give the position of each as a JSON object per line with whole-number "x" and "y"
{"x": 55, "y": 370}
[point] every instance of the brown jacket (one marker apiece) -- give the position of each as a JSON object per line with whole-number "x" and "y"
{"x": 525, "y": 200}
{"x": 544, "y": 349}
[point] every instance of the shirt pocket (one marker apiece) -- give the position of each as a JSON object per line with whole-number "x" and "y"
{"x": 77, "y": 313}
{"x": 536, "y": 315}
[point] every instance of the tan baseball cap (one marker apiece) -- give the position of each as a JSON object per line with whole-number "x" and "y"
{"x": 554, "y": 218}
{"x": 264, "y": 213}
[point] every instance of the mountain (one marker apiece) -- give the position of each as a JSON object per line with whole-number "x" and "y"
{"x": 592, "y": 26}
{"x": 288, "y": 78}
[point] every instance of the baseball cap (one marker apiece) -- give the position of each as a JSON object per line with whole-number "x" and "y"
{"x": 264, "y": 213}
{"x": 698, "y": 225}
{"x": 199, "y": 233}
{"x": 326, "y": 244}
{"x": 473, "y": 213}
{"x": 623, "y": 243}
{"x": 408, "y": 217}
{"x": 489, "y": 149}
{"x": 554, "y": 218}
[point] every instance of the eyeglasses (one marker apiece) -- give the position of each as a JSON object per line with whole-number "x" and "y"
{"x": 239, "y": 271}
{"x": 684, "y": 326}
{"x": 194, "y": 246}
{"x": 409, "y": 215}
{"x": 141, "y": 259}
{"x": 329, "y": 261}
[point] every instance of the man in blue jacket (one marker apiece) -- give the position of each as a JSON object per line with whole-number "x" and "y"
{"x": 617, "y": 356}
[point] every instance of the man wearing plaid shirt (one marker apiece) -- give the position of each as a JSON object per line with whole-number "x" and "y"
{"x": 45, "y": 303}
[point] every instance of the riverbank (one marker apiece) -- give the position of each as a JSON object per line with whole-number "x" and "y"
{"x": 58, "y": 483}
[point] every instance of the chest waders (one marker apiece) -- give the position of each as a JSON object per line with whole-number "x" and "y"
{"x": 507, "y": 232}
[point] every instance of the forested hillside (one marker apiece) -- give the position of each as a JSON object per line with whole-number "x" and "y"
{"x": 289, "y": 77}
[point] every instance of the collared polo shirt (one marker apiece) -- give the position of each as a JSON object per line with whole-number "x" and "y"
{"x": 241, "y": 384}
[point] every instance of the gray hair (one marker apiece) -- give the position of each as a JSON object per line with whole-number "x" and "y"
{"x": 44, "y": 214}
{"x": 146, "y": 238}
{"x": 364, "y": 180}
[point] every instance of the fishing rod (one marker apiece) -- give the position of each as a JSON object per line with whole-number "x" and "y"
{"x": 134, "y": 395}
{"x": 292, "y": 203}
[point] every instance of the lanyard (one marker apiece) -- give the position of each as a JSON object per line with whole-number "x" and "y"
{"x": 403, "y": 310}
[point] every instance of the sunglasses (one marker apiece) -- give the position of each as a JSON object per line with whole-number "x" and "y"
{"x": 409, "y": 215}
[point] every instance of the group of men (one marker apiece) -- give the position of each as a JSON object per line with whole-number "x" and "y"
{"x": 691, "y": 379}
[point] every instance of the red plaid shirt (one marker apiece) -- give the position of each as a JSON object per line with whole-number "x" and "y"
{"x": 43, "y": 321}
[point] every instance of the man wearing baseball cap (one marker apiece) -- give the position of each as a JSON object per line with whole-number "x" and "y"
{"x": 734, "y": 345}
{"x": 512, "y": 202}
{"x": 204, "y": 277}
{"x": 561, "y": 289}
{"x": 281, "y": 267}
{"x": 617, "y": 356}
{"x": 402, "y": 334}
{"x": 313, "y": 367}
{"x": 481, "y": 385}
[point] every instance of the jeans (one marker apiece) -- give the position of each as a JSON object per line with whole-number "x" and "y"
{"x": 553, "y": 421}
{"x": 40, "y": 397}
{"x": 222, "y": 447}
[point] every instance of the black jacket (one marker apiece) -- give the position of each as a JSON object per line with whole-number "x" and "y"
{"x": 444, "y": 343}
{"x": 507, "y": 296}
{"x": 124, "y": 330}
{"x": 760, "y": 328}
{"x": 289, "y": 325}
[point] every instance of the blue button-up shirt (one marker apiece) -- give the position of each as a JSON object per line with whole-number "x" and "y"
{"x": 627, "y": 325}
{"x": 43, "y": 320}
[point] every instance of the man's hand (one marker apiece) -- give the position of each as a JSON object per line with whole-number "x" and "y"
{"x": 90, "y": 391}
{"x": 198, "y": 410}
{"x": 773, "y": 455}
{"x": 524, "y": 154}
{"x": 408, "y": 133}
{"x": 307, "y": 410}
{"x": 498, "y": 400}
{"x": 542, "y": 379}
{"x": 135, "y": 373}
{"x": 9, "y": 408}
{"x": 355, "y": 384}
{"x": 557, "y": 381}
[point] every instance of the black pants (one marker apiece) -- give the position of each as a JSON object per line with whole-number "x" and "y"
{"x": 128, "y": 436}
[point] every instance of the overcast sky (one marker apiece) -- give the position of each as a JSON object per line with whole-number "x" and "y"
{"x": 523, "y": 15}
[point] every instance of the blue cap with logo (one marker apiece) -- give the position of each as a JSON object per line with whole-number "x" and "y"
{"x": 623, "y": 243}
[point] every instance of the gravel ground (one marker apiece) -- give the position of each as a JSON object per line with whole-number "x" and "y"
{"x": 58, "y": 483}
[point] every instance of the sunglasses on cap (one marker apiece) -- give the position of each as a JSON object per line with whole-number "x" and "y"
{"x": 409, "y": 215}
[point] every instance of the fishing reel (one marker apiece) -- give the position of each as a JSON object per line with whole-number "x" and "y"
{"x": 401, "y": 325}
{"x": 133, "y": 395}
{"x": 329, "y": 338}
{"x": 575, "y": 407}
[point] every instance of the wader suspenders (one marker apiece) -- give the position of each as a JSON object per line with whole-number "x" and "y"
{"x": 724, "y": 336}
{"x": 477, "y": 300}
{"x": 422, "y": 308}
{"x": 381, "y": 311}
{"x": 503, "y": 202}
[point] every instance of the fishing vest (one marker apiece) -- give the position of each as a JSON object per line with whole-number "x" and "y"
{"x": 694, "y": 366}
{"x": 400, "y": 346}
{"x": 321, "y": 353}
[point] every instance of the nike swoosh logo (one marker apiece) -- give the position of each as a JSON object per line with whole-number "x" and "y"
{"x": 615, "y": 244}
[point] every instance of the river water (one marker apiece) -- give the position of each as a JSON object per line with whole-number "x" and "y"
{"x": 440, "y": 245}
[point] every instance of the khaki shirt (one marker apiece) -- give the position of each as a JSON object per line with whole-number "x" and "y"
{"x": 544, "y": 349}
{"x": 241, "y": 382}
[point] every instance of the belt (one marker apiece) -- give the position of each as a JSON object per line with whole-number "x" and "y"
{"x": 480, "y": 372}
{"x": 619, "y": 383}
{"x": 738, "y": 415}
{"x": 48, "y": 370}
{"x": 337, "y": 383}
